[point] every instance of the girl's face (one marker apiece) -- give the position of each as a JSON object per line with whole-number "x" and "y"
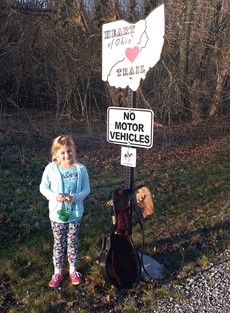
{"x": 66, "y": 155}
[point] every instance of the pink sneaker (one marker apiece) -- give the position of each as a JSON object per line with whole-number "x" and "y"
{"x": 75, "y": 278}
{"x": 55, "y": 281}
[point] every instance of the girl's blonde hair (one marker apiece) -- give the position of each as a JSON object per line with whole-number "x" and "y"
{"x": 58, "y": 143}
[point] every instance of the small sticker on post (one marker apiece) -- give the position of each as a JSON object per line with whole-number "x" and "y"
{"x": 128, "y": 156}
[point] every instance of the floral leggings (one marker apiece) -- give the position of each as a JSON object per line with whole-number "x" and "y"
{"x": 65, "y": 233}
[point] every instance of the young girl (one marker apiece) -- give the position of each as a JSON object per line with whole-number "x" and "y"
{"x": 65, "y": 183}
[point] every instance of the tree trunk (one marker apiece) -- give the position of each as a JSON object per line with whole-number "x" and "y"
{"x": 185, "y": 37}
{"x": 184, "y": 51}
{"x": 221, "y": 50}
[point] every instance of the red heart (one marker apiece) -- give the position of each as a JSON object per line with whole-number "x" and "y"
{"x": 132, "y": 53}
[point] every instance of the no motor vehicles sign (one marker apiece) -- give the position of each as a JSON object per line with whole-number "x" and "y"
{"x": 128, "y": 126}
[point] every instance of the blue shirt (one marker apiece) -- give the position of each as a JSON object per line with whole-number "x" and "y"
{"x": 52, "y": 183}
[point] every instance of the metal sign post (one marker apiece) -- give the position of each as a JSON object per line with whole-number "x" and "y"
{"x": 129, "y": 50}
{"x": 130, "y": 170}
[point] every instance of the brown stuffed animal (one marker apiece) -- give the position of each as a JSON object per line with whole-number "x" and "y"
{"x": 144, "y": 200}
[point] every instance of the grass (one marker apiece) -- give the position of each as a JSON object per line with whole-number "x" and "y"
{"x": 191, "y": 200}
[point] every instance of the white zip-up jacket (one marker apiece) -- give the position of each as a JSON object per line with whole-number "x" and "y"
{"x": 51, "y": 185}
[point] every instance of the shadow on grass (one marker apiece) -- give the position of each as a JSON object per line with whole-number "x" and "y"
{"x": 181, "y": 254}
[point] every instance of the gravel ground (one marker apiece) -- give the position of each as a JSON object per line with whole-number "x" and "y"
{"x": 206, "y": 292}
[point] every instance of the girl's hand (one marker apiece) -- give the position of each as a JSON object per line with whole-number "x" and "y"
{"x": 60, "y": 197}
{"x": 69, "y": 199}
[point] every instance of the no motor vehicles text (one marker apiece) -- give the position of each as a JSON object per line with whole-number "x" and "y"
{"x": 123, "y": 129}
